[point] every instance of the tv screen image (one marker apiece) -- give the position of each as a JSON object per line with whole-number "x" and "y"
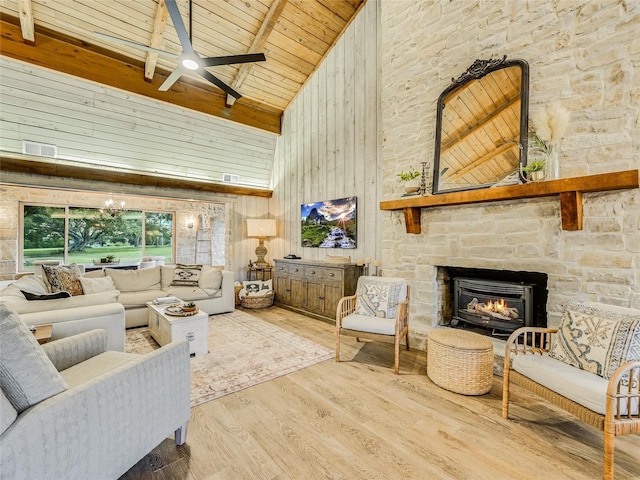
{"x": 329, "y": 224}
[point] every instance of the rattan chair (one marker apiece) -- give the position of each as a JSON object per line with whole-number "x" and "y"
{"x": 378, "y": 311}
{"x": 537, "y": 341}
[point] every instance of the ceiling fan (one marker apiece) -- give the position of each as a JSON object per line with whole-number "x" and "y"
{"x": 189, "y": 60}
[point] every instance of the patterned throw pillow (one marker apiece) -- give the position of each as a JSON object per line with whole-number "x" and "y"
{"x": 63, "y": 278}
{"x": 186, "y": 275}
{"x": 597, "y": 340}
{"x": 380, "y": 296}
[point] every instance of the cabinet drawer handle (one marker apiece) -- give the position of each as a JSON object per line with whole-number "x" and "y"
{"x": 313, "y": 272}
{"x": 295, "y": 270}
{"x": 288, "y": 290}
{"x": 332, "y": 274}
{"x": 321, "y": 298}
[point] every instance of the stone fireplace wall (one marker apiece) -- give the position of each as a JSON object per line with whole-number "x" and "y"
{"x": 586, "y": 56}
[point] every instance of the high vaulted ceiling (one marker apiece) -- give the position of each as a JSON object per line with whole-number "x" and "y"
{"x": 295, "y": 36}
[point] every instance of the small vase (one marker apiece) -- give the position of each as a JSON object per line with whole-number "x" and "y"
{"x": 552, "y": 165}
{"x": 537, "y": 176}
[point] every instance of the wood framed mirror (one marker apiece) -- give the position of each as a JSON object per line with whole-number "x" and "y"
{"x": 481, "y": 127}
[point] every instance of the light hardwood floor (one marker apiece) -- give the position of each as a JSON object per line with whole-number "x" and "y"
{"x": 357, "y": 420}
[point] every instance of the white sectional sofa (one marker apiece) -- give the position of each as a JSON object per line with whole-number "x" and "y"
{"x": 124, "y": 305}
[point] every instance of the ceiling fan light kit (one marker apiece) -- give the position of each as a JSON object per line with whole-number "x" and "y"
{"x": 189, "y": 58}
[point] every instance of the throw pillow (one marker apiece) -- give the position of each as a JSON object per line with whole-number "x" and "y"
{"x": 252, "y": 288}
{"x": 380, "y": 296}
{"x": 186, "y": 275}
{"x": 27, "y": 376}
{"x": 211, "y": 278}
{"x": 597, "y": 340}
{"x": 97, "y": 285}
{"x": 32, "y": 284}
{"x": 135, "y": 280}
{"x": 46, "y": 296}
{"x": 63, "y": 278}
{"x": 267, "y": 285}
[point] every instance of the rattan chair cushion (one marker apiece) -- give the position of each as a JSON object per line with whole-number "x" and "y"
{"x": 364, "y": 323}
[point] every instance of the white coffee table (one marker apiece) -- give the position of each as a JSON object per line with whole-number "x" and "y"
{"x": 168, "y": 328}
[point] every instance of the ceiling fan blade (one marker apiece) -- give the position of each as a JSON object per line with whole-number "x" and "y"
{"x": 173, "y": 78}
{"x": 219, "y": 83}
{"x": 135, "y": 45}
{"x": 248, "y": 58}
{"x": 178, "y": 24}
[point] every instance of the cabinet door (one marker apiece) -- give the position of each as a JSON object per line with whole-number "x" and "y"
{"x": 298, "y": 287}
{"x": 315, "y": 297}
{"x": 332, "y": 295}
{"x": 282, "y": 287}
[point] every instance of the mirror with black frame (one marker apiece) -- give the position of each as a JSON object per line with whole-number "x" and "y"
{"x": 481, "y": 127}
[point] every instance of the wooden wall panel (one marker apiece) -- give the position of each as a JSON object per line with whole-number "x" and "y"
{"x": 330, "y": 141}
{"x": 100, "y": 125}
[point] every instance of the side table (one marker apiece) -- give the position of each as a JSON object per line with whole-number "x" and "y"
{"x": 43, "y": 333}
{"x": 259, "y": 273}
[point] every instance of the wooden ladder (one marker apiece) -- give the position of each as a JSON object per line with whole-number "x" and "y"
{"x": 204, "y": 240}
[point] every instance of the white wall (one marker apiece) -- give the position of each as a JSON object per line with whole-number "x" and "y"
{"x": 329, "y": 143}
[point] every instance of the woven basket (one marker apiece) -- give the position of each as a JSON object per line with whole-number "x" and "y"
{"x": 460, "y": 361}
{"x": 258, "y": 302}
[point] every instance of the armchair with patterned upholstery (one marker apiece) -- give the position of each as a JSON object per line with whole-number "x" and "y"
{"x": 378, "y": 311}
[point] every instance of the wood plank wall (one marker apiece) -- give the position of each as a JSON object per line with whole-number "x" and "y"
{"x": 95, "y": 124}
{"x": 330, "y": 143}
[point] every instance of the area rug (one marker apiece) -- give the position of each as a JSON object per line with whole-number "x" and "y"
{"x": 243, "y": 351}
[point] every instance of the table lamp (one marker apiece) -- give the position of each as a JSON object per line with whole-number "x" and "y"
{"x": 261, "y": 228}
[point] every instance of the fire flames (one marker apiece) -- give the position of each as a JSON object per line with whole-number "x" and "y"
{"x": 498, "y": 308}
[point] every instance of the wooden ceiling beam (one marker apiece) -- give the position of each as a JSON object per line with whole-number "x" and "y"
{"x": 260, "y": 40}
{"x": 159, "y": 24}
{"x": 83, "y": 60}
{"x": 26, "y": 22}
{"x": 66, "y": 170}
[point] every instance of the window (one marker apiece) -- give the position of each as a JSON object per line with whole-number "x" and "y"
{"x": 87, "y": 235}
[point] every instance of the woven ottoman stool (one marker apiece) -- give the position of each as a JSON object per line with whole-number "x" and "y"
{"x": 460, "y": 361}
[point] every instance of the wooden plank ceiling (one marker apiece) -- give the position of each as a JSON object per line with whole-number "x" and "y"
{"x": 295, "y": 36}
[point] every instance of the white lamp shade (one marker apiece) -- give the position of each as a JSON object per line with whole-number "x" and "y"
{"x": 261, "y": 228}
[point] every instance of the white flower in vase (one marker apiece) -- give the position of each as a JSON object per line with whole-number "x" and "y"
{"x": 549, "y": 126}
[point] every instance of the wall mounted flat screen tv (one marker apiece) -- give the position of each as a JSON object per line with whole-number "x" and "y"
{"x": 329, "y": 224}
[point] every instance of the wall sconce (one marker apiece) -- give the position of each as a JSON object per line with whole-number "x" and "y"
{"x": 190, "y": 225}
{"x": 261, "y": 228}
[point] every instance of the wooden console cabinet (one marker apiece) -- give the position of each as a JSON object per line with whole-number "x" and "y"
{"x": 313, "y": 288}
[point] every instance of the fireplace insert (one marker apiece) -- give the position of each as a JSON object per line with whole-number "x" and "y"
{"x": 494, "y": 304}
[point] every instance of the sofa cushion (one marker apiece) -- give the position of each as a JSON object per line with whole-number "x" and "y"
{"x": 32, "y": 284}
{"x": 63, "y": 278}
{"x": 27, "y": 376}
{"x": 380, "y": 296}
{"x": 211, "y": 278}
{"x": 8, "y": 414}
{"x": 21, "y": 305}
{"x": 582, "y": 387}
{"x": 99, "y": 273}
{"x": 367, "y": 323}
{"x": 97, "y": 285}
{"x": 139, "y": 299}
{"x": 135, "y": 280}
{"x": 186, "y": 275}
{"x": 93, "y": 367}
{"x": 597, "y": 338}
{"x": 193, "y": 293}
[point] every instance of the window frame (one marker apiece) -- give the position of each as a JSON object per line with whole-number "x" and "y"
{"x": 66, "y": 207}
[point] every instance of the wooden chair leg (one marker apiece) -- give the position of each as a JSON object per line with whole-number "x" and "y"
{"x": 505, "y": 394}
{"x": 396, "y": 361}
{"x": 337, "y": 345}
{"x": 407, "y": 340}
{"x": 607, "y": 463}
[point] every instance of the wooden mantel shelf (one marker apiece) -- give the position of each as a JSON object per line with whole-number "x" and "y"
{"x": 570, "y": 191}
